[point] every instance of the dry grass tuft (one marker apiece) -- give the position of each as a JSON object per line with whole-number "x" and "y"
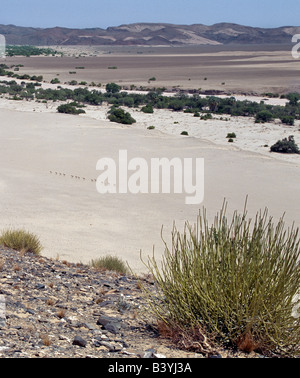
{"x": 21, "y": 240}
{"x": 110, "y": 263}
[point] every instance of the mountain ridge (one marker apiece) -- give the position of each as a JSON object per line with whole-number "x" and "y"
{"x": 149, "y": 34}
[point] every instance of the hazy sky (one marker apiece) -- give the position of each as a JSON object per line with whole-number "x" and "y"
{"x": 104, "y": 13}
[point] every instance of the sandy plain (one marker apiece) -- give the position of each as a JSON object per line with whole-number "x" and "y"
{"x": 238, "y": 69}
{"x": 41, "y": 150}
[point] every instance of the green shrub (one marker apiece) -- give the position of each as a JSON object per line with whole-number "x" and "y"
{"x": 151, "y": 127}
{"x": 120, "y": 116}
{"x": 235, "y": 281}
{"x": 185, "y": 133}
{"x": 111, "y": 263}
{"x": 286, "y": 146}
{"x": 288, "y": 120}
{"x": 147, "y": 109}
{"x": 69, "y": 109}
{"x": 73, "y": 82}
{"x": 263, "y": 116}
{"x": 55, "y": 81}
{"x": 206, "y": 117}
{"x": 21, "y": 240}
{"x": 231, "y": 135}
{"x": 113, "y": 88}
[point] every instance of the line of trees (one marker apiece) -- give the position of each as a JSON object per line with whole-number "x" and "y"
{"x": 12, "y": 50}
{"x": 155, "y": 100}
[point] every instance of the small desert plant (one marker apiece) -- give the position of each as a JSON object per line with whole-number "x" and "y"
{"x": 147, "y": 109}
{"x": 231, "y": 135}
{"x": 206, "y": 117}
{"x": 185, "y": 133}
{"x": 45, "y": 339}
{"x": 263, "y": 116}
{"x": 21, "y": 240}
{"x": 118, "y": 115}
{"x": 288, "y": 120}
{"x": 286, "y": 146}
{"x": 235, "y": 281}
{"x": 70, "y": 109}
{"x": 111, "y": 263}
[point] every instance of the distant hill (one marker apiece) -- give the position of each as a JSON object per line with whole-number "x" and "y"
{"x": 149, "y": 34}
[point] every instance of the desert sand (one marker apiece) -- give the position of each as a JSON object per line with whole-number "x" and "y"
{"x": 42, "y": 152}
{"x": 235, "y": 69}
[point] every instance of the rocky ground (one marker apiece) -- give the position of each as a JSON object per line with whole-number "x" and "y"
{"x": 54, "y": 309}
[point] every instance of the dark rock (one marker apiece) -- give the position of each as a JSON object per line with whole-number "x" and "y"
{"x": 78, "y": 340}
{"x": 113, "y": 328}
{"x": 215, "y": 356}
{"x": 112, "y": 325}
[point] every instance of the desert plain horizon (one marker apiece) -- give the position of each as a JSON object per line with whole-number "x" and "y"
{"x": 42, "y": 151}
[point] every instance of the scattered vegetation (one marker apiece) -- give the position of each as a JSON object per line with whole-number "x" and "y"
{"x": 111, "y": 263}
{"x": 286, "y": 146}
{"x": 155, "y": 100}
{"x": 21, "y": 240}
{"x": 234, "y": 282}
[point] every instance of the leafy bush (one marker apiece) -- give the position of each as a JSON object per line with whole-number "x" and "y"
{"x": 293, "y": 98}
{"x": 73, "y": 82}
{"x": 235, "y": 281}
{"x": 231, "y": 135}
{"x": 55, "y": 81}
{"x": 147, "y": 109}
{"x": 263, "y": 116}
{"x": 288, "y": 120}
{"x": 21, "y": 240}
{"x": 206, "y": 117}
{"x": 120, "y": 116}
{"x": 111, "y": 263}
{"x": 69, "y": 109}
{"x": 185, "y": 133}
{"x": 113, "y": 88}
{"x": 286, "y": 146}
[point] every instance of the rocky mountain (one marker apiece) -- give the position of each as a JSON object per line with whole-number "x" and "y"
{"x": 150, "y": 34}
